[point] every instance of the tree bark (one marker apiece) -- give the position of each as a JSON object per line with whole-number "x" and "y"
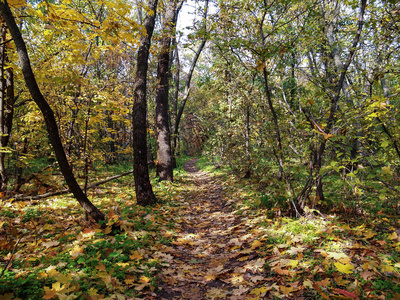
{"x": 6, "y": 106}
{"x": 144, "y": 190}
{"x": 48, "y": 114}
{"x": 164, "y": 151}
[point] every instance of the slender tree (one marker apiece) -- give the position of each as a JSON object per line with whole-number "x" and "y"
{"x": 189, "y": 79}
{"x": 48, "y": 114}
{"x": 144, "y": 190}
{"x": 6, "y": 104}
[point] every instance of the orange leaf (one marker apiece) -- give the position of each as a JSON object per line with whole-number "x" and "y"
{"x": 49, "y": 293}
{"x": 255, "y": 244}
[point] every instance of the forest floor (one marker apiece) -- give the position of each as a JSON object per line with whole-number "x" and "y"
{"x": 212, "y": 236}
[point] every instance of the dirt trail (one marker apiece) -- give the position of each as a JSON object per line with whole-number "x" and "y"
{"x": 215, "y": 255}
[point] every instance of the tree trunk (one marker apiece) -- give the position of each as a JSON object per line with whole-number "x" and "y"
{"x": 48, "y": 114}
{"x": 164, "y": 152}
{"x": 144, "y": 190}
{"x": 4, "y": 132}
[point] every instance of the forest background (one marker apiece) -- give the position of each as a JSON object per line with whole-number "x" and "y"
{"x": 300, "y": 98}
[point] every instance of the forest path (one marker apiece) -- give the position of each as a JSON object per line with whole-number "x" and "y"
{"x": 214, "y": 255}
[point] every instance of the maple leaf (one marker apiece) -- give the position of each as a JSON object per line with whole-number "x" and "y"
{"x": 286, "y": 290}
{"x": 101, "y": 267}
{"x": 76, "y": 251}
{"x": 240, "y": 291}
{"x": 257, "y": 278}
{"x": 49, "y": 293}
{"x": 210, "y": 277}
{"x": 336, "y": 255}
{"x": 6, "y": 296}
{"x": 308, "y": 283}
{"x": 260, "y": 291}
{"x": 392, "y": 236}
{"x": 295, "y": 250}
{"x": 344, "y": 268}
{"x": 256, "y": 244}
{"x": 144, "y": 279}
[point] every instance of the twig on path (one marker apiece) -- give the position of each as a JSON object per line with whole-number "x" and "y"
{"x": 11, "y": 257}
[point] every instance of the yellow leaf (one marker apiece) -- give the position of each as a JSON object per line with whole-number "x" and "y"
{"x": 286, "y": 290}
{"x": 387, "y": 170}
{"x": 259, "y": 291}
{"x": 92, "y": 292}
{"x": 64, "y": 278}
{"x": 49, "y": 293}
{"x": 57, "y": 286}
{"x": 308, "y": 283}
{"x": 107, "y": 230}
{"x": 369, "y": 234}
{"x": 123, "y": 265}
{"x": 144, "y": 279}
{"x": 387, "y": 268}
{"x": 53, "y": 273}
{"x": 243, "y": 258}
{"x": 210, "y": 277}
{"x": 392, "y": 236}
{"x": 255, "y": 244}
{"x": 76, "y": 251}
{"x": 344, "y": 268}
{"x": 293, "y": 263}
{"x": 136, "y": 255}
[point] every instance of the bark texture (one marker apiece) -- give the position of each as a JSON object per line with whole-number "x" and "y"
{"x": 48, "y": 114}
{"x": 164, "y": 152}
{"x": 143, "y": 188}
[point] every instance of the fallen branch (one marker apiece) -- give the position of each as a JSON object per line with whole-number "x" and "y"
{"x": 65, "y": 191}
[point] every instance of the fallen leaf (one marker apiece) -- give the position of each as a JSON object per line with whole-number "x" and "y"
{"x": 308, "y": 283}
{"x": 49, "y": 293}
{"x": 286, "y": 290}
{"x": 256, "y": 244}
{"x": 336, "y": 255}
{"x": 344, "y": 268}
{"x": 259, "y": 291}
{"x": 144, "y": 279}
{"x": 135, "y": 255}
{"x": 367, "y": 274}
{"x": 215, "y": 293}
{"x": 50, "y": 244}
{"x": 392, "y": 236}
{"x": 210, "y": 277}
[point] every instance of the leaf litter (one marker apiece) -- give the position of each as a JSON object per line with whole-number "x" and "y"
{"x": 205, "y": 241}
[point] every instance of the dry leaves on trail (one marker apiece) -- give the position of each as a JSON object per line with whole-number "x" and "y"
{"x": 214, "y": 255}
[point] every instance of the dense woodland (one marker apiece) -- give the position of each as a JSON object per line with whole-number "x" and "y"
{"x": 292, "y": 105}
